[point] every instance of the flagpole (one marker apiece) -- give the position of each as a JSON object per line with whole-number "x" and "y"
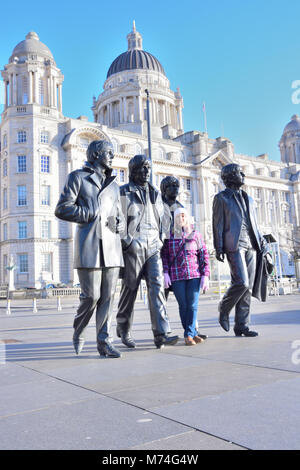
{"x": 204, "y": 111}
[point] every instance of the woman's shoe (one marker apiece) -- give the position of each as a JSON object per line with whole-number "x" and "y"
{"x": 189, "y": 341}
{"x": 198, "y": 339}
{"x": 202, "y": 336}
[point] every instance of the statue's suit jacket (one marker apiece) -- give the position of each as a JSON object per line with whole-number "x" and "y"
{"x": 227, "y": 221}
{"x": 81, "y": 197}
{"x": 133, "y": 209}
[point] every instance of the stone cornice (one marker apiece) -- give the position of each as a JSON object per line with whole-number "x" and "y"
{"x": 34, "y": 240}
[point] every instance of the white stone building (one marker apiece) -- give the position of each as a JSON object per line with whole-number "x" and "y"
{"x": 40, "y": 146}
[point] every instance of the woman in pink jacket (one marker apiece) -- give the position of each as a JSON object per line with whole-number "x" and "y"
{"x": 186, "y": 269}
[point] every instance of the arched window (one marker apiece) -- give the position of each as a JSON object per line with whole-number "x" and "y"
{"x": 161, "y": 153}
{"x": 138, "y": 150}
{"x": 115, "y": 145}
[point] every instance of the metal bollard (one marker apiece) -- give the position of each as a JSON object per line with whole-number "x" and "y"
{"x": 59, "y": 308}
{"x": 34, "y": 307}
{"x": 8, "y": 310}
{"x": 145, "y": 297}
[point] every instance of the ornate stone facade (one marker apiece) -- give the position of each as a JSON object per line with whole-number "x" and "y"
{"x": 40, "y": 146}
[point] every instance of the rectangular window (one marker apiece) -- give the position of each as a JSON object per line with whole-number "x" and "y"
{"x": 21, "y": 137}
{"x": 47, "y": 262}
{"x": 45, "y": 164}
{"x": 257, "y": 193}
{"x": 4, "y": 231}
{"x": 5, "y": 167}
{"x": 4, "y": 141}
{"x": 4, "y": 198}
{"x": 122, "y": 176}
{"x": 22, "y": 229}
{"x": 4, "y": 265}
{"x": 188, "y": 184}
{"x": 22, "y": 164}
{"x": 22, "y": 196}
{"x": 46, "y": 229}
{"x": 44, "y": 137}
{"x": 23, "y": 263}
{"x": 45, "y": 195}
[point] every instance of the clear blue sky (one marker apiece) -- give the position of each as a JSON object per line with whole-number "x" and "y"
{"x": 240, "y": 57}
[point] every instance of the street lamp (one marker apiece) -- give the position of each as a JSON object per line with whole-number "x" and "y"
{"x": 149, "y": 135}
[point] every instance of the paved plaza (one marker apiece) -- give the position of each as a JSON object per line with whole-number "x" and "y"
{"x": 226, "y": 393}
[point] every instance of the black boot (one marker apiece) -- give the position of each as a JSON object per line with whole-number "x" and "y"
{"x": 108, "y": 350}
{"x": 244, "y": 332}
{"x": 126, "y": 338}
{"x": 165, "y": 340}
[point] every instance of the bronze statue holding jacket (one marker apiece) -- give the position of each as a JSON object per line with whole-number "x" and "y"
{"x": 236, "y": 234}
{"x": 91, "y": 198}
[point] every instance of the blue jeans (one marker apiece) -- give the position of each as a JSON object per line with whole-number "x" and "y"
{"x": 187, "y": 296}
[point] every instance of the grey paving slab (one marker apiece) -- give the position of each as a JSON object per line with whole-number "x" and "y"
{"x": 263, "y": 351}
{"x": 11, "y": 374}
{"x": 189, "y": 383}
{"x": 191, "y": 440}
{"x": 28, "y": 396}
{"x": 263, "y": 417}
{"x": 92, "y": 424}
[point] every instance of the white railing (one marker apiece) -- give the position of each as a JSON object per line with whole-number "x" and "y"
{"x": 64, "y": 291}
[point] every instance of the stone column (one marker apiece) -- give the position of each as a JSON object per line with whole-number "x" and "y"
{"x": 14, "y": 88}
{"x": 153, "y": 105}
{"x": 167, "y": 112}
{"x": 125, "y": 109}
{"x": 29, "y": 86}
{"x": 141, "y": 108}
{"x": 110, "y": 119}
{"x": 36, "y": 88}
{"x": 180, "y": 117}
{"x": 55, "y": 92}
{"x": 6, "y": 95}
{"x": 121, "y": 110}
{"x": 264, "y": 206}
{"x": 10, "y": 89}
{"x": 60, "y": 97}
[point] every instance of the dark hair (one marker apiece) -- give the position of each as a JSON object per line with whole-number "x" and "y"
{"x": 136, "y": 162}
{"x": 227, "y": 171}
{"x": 94, "y": 149}
{"x": 166, "y": 181}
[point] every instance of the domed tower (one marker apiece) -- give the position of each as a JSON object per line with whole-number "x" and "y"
{"x": 30, "y": 158}
{"x": 31, "y": 76}
{"x": 123, "y": 103}
{"x": 289, "y": 143}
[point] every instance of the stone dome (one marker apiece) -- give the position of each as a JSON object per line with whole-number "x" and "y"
{"x": 135, "y": 58}
{"x": 31, "y": 45}
{"x": 293, "y": 125}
